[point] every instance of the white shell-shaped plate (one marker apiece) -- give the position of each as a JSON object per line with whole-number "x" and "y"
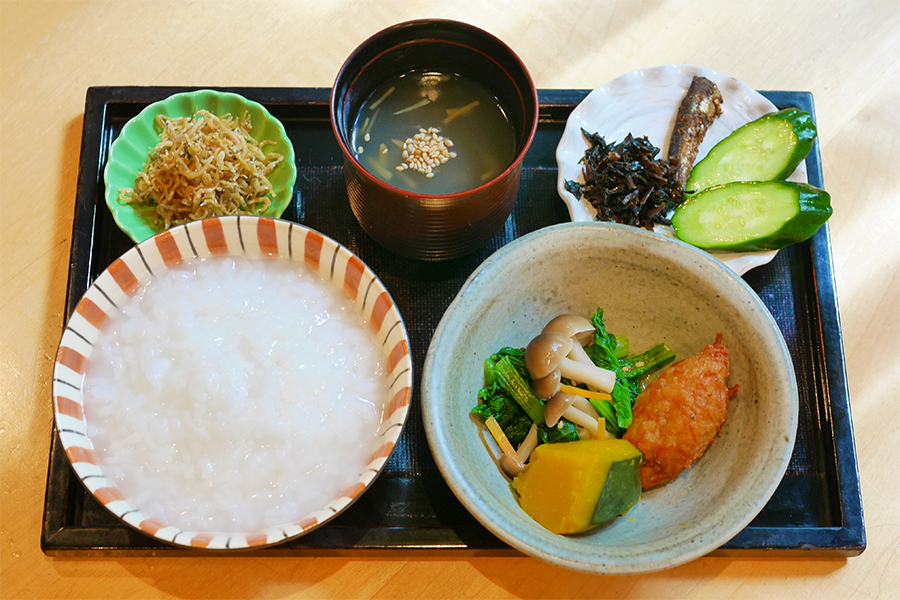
{"x": 253, "y": 237}
{"x": 644, "y": 103}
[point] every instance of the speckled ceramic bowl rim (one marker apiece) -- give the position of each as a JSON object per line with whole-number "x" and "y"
{"x": 257, "y": 238}
{"x": 493, "y": 515}
{"x": 197, "y": 99}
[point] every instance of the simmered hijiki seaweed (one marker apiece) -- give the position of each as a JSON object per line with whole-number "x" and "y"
{"x": 626, "y": 182}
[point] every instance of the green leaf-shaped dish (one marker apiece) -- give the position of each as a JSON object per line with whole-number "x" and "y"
{"x": 129, "y": 152}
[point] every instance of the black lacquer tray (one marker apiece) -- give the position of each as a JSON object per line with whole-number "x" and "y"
{"x": 817, "y": 509}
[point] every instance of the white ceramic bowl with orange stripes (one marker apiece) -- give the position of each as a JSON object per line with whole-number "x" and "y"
{"x": 256, "y": 238}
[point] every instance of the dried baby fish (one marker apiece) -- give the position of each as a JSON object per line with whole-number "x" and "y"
{"x": 204, "y": 166}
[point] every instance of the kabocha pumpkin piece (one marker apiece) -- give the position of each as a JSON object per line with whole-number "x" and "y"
{"x": 572, "y": 487}
{"x": 767, "y": 149}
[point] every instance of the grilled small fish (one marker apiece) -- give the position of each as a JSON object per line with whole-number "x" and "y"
{"x": 701, "y": 105}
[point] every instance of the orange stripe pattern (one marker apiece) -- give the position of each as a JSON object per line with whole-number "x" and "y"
{"x": 400, "y": 400}
{"x": 352, "y": 277}
{"x": 124, "y": 276}
{"x": 265, "y": 233}
{"x": 72, "y": 359}
{"x": 68, "y": 407}
{"x": 168, "y": 249}
{"x": 92, "y": 313}
{"x": 353, "y": 491}
{"x": 306, "y": 523}
{"x": 384, "y": 451}
{"x": 401, "y": 350}
{"x": 215, "y": 236}
{"x": 151, "y": 526}
{"x": 312, "y": 251}
{"x": 108, "y": 494}
{"x": 202, "y": 540}
{"x": 380, "y": 310}
{"x": 78, "y": 454}
{"x": 256, "y": 539}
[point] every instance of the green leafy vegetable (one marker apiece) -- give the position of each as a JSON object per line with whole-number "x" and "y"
{"x": 508, "y": 397}
{"x": 604, "y": 354}
{"x": 507, "y": 391}
{"x": 608, "y": 413}
{"x": 494, "y": 402}
{"x": 564, "y": 431}
{"x": 622, "y": 347}
{"x": 519, "y": 389}
{"x": 516, "y": 358}
{"x": 640, "y": 364}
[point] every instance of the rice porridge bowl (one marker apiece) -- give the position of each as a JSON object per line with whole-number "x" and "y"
{"x": 236, "y": 400}
{"x": 262, "y": 386}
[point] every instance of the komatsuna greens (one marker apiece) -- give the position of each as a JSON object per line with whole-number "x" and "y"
{"x": 507, "y": 394}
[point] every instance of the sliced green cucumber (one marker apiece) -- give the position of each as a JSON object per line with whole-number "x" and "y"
{"x": 767, "y": 149}
{"x": 752, "y": 215}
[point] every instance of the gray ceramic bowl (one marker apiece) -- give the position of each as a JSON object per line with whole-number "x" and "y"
{"x": 652, "y": 289}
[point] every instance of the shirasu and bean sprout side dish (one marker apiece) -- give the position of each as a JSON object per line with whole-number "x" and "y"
{"x": 581, "y": 426}
{"x": 204, "y": 166}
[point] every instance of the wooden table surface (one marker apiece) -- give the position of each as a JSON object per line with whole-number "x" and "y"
{"x": 847, "y": 53}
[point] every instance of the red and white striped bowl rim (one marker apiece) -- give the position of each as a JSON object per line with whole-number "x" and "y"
{"x": 252, "y": 237}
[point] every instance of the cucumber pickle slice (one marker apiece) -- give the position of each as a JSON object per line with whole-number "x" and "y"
{"x": 752, "y": 215}
{"x": 767, "y": 149}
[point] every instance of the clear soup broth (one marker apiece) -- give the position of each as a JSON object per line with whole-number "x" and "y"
{"x": 464, "y": 135}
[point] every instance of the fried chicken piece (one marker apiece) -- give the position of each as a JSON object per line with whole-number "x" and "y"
{"x": 701, "y": 105}
{"x": 678, "y": 415}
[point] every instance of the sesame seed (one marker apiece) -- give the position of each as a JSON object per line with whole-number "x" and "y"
{"x": 425, "y": 151}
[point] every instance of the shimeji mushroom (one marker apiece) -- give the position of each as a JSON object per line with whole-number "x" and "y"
{"x": 575, "y": 409}
{"x": 545, "y": 387}
{"x": 548, "y": 351}
{"x": 513, "y": 460}
{"x": 514, "y": 464}
{"x": 579, "y": 329}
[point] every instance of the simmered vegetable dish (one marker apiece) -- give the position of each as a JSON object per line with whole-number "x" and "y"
{"x": 582, "y": 429}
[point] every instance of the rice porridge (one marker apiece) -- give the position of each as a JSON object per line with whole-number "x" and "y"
{"x": 232, "y": 394}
